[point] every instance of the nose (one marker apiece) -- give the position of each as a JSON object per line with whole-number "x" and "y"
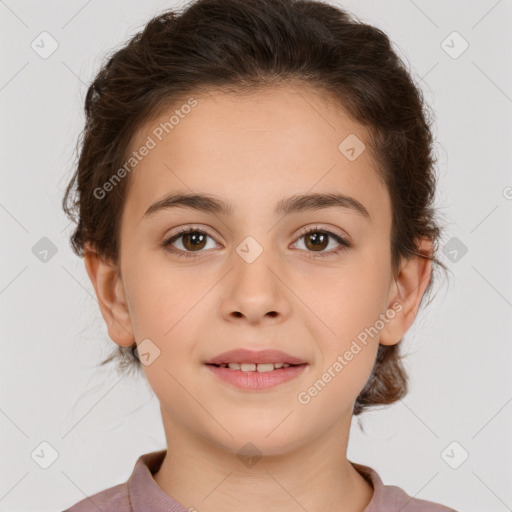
{"x": 254, "y": 292}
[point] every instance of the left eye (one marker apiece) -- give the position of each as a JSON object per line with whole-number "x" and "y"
{"x": 318, "y": 239}
{"x": 193, "y": 240}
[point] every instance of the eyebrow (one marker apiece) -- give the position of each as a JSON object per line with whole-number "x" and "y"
{"x": 294, "y": 204}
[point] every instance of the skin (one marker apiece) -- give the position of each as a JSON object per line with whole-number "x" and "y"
{"x": 253, "y": 151}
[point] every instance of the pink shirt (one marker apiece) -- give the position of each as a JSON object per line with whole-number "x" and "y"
{"x": 142, "y": 494}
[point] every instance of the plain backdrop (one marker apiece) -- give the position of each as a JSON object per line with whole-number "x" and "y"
{"x": 448, "y": 440}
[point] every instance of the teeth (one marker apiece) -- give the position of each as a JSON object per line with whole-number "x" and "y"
{"x": 265, "y": 367}
{"x": 251, "y": 367}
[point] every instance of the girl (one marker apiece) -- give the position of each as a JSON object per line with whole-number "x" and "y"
{"x": 254, "y": 207}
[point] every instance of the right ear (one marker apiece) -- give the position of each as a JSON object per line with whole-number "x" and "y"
{"x": 110, "y": 292}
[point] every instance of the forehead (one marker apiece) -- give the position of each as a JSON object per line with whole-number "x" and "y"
{"x": 253, "y": 150}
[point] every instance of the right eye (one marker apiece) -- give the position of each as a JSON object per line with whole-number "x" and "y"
{"x": 191, "y": 239}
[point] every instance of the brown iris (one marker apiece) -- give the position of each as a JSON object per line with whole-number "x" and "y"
{"x": 318, "y": 240}
{"x": 197, "y": 240}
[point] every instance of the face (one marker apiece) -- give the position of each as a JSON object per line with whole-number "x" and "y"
{"x": 304, "y": 281}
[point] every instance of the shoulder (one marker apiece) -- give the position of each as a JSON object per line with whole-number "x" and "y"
{"x": 113, "y": 499}
{"x": 397, "y": 497}
{"x": 390, "y": 498}
{"x": 138, "y": 492}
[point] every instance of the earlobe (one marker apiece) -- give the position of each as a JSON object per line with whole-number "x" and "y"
{"x": 110, "y": 295}
{"x": 406, "y": 293}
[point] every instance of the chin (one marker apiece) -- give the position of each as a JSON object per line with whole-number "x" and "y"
{"x": 250, "y": 441}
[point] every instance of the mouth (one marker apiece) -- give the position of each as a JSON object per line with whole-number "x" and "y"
{"x": 251, "y": 360}
{"x": 254, "y": 377}
{"x": 253, "y": 367}
{"x": 250, "y": 370}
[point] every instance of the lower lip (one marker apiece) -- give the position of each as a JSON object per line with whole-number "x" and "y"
{"x": 257, "y": 380}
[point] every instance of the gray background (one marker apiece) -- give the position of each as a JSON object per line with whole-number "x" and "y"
{"x": 53, "y": 334}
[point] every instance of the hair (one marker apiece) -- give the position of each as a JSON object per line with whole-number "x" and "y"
{"x": 240, "y": 46}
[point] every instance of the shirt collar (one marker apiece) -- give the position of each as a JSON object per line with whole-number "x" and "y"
{"x": 145, "y": 494}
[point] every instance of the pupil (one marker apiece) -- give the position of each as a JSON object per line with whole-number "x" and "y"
{"x": 317, "y": 239}
{"x": 194, "y": 237}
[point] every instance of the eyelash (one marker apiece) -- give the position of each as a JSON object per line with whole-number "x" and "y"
{"x": 344, "y": 244}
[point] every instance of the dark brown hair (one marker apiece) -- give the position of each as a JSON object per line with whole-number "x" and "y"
{"x": 237, "y": 46}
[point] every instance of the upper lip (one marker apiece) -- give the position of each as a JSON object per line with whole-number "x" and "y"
{"x": 242, "y": 355}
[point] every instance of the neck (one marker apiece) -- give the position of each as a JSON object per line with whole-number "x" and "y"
{"x": 208, "y": 477}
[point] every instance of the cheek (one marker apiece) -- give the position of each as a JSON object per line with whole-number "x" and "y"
{"x": 349, "y": 302}
{"x": 349, "y": 308}
{"x": 347, "y": 356}
{"x": 161, "y": 298}
{"x": 167, "y": 307}
{"x": 338, "y": 380}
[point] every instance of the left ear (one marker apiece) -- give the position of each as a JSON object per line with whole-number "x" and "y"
{"x": 405, "y": 294}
